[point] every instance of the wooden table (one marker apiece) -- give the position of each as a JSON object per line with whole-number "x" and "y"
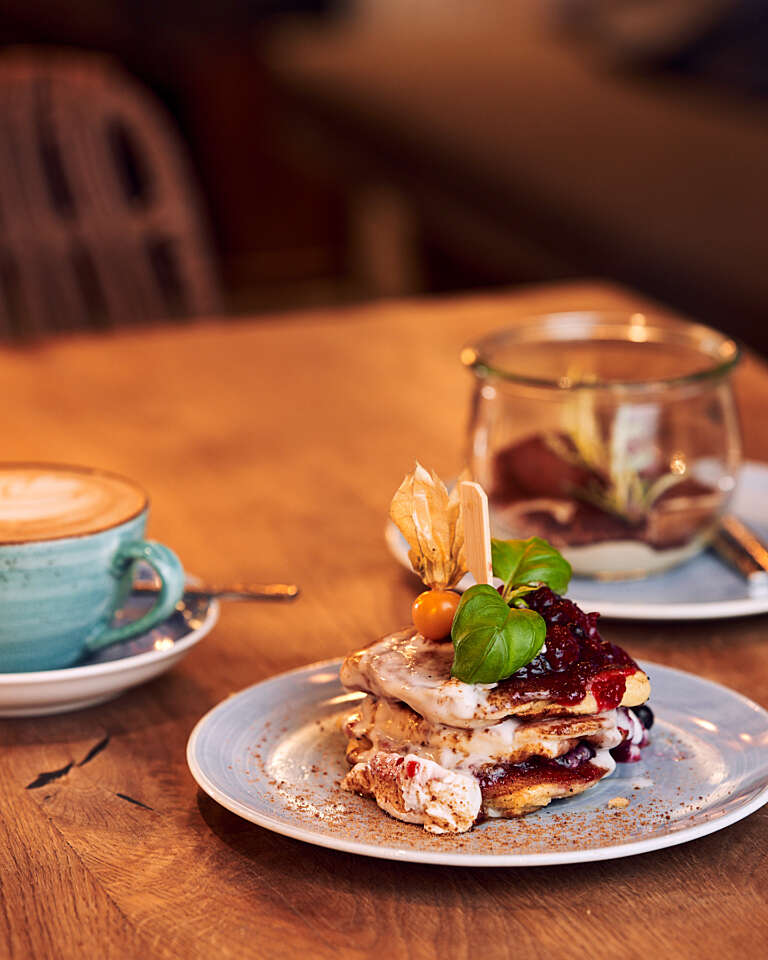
{"x": 272, "y": 448}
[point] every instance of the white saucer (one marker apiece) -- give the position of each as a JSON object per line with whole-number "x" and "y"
{"x": 109, "y": 672}
{"x": 702, "y": 589}
{"x": 274, "y": 755}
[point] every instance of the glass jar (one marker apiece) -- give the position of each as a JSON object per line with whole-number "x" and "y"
{"x": 614, "y": 436}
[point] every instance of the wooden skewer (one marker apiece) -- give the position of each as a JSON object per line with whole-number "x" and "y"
{"x": 477, "y": 531}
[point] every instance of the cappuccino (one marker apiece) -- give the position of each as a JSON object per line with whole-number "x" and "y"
{"x": 49, "y": 502}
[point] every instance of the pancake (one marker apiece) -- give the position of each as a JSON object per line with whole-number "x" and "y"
{"x": 514, "y": 790}
{"x": 407, "y": 667}
{"x": 382, "y": 725}
{"x": 637, "y": 689}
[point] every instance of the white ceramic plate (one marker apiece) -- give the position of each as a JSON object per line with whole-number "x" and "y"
{"x": 702, "y": 589}
{"x": 274, "y": 754}
{"x": 111, "y": 671}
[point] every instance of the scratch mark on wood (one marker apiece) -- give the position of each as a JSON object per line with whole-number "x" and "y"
{"x": 124, "y": 796}
{"x": 94, "y": 751}
{"x": 43, "y": 779}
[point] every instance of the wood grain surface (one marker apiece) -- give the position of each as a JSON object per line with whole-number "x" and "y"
{"x": 271, "y": 448}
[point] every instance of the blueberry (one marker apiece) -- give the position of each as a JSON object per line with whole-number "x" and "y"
{"x": 577, "y": 756}
{"x": 645, "y": 715}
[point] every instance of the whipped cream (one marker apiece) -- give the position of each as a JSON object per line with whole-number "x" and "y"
{"x": 632, "y": 558}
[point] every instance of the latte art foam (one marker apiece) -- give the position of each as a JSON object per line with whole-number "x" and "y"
{"x": 47, "y": 503}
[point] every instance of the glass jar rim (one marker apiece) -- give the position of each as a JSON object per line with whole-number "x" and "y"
{"x": 582, "y": 325}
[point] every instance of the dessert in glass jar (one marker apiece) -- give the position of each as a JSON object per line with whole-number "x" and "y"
{"x": 614, "y": 436}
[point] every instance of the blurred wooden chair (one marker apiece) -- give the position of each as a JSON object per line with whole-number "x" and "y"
{"x": 100, "y": 220}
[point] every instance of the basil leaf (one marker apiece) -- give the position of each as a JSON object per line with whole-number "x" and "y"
{"x": 519, "y": 562}
{"x": 491, "y": 639}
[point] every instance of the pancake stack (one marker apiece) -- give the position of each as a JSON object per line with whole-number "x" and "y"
{"x": 434, "y": 750}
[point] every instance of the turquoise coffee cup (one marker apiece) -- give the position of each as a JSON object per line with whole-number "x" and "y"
{"x": 59, "y": 596}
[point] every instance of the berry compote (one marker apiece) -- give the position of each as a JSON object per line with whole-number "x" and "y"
{"x": 575, "y": 660}
{"x": 573, "y": 767}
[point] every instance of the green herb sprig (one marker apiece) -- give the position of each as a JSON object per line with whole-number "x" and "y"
{"x": 494, "y": 634}
{"x": 524, "y": 565}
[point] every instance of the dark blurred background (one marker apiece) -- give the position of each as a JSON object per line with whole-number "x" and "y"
{"x": 353, "y": 149}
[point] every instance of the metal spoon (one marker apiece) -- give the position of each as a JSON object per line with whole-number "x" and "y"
{"x": 235, "y": 591}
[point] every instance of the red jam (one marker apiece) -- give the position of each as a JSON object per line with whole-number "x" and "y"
{"x": 574, "y": 767}
{"x": 576, "y": 660}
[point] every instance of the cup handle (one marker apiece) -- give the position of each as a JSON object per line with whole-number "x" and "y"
{"x": 167, "y": 566}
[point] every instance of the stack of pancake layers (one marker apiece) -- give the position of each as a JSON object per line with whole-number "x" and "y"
{"x": 434, "y": 750}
